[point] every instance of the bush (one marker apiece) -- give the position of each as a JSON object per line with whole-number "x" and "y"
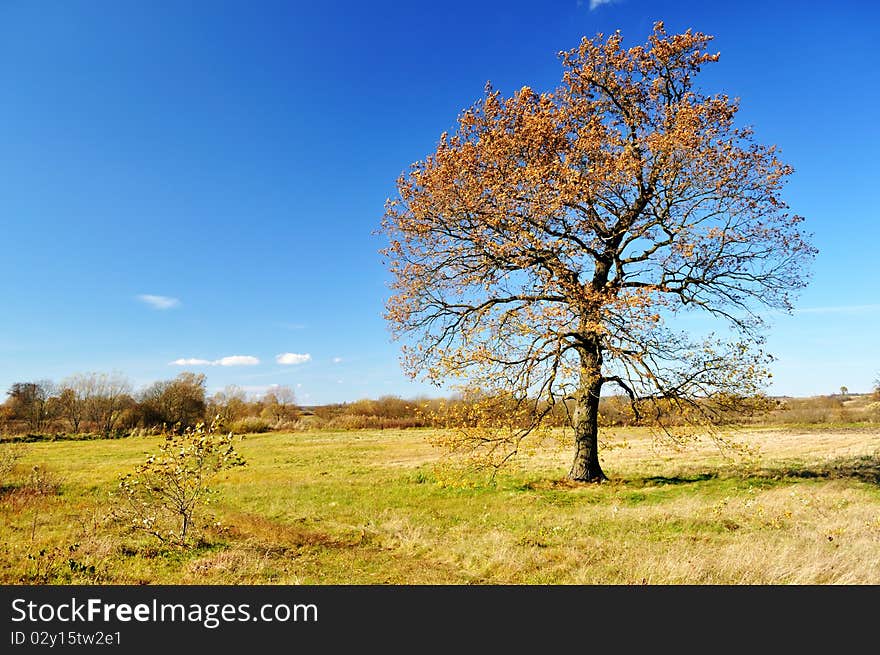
{"x": 250, "y": 425}
{"x": 165, "y": 496}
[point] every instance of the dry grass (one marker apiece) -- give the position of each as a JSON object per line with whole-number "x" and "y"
{"x": 364, "y": 508}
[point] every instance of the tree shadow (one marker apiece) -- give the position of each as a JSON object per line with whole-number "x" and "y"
{"x": 862, "y": 468}
{"x": 676, "y": 479}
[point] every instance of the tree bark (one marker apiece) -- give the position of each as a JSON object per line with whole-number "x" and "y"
{"x": 585, "y": 467}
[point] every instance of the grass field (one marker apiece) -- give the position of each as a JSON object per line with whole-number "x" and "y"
{"x": 364, "y": 507}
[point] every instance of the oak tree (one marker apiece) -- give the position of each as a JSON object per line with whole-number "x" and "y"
{"x": 552, "y": 243}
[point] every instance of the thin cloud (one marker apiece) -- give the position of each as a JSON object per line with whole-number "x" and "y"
{"x": 232, "y": 360}
{"x": 838, "y": 309}
{"x": 237, "y": 360}
{"x": 337, "y": 360}
{"x": 159, "y": 302}
{"x": 595, "y": 4}
{"x": 289, "y": 359}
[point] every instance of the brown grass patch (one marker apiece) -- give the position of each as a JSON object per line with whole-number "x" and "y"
{"x": 265, "y": 533}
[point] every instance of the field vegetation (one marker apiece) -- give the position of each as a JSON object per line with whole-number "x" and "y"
{"x": 799, "y": 505}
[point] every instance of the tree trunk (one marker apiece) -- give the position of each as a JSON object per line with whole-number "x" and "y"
{"x": 585, "y": 467}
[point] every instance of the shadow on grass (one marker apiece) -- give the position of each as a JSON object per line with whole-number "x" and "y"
{"x": 677, "y": 479}
{"x": 863, "y": 468}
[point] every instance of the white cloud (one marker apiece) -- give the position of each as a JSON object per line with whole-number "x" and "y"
{"x": 292, "y": 358}
{"x": 159, "y": 302}
{"x": 191, "y": 361}
{"x": 337, "y": 360}
{"x": 595, "y": 4}
{"x": 232, "y": 360}
{"x": 237, "y": 360}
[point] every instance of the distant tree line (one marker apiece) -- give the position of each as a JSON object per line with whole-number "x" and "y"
{"x": 105, "y": 404}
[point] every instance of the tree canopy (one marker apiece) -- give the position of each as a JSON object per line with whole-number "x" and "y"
{"x": 548, "y": 245}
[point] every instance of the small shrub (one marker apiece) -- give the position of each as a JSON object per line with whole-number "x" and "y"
{"x": 10, "y": 454}
{"x": 42, "y": 481}
{"x": 166, "y": 495}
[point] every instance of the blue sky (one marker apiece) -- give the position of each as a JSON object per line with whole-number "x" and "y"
{"x": 201, "y": 181}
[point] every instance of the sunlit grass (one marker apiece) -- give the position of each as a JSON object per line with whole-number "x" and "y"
{"x": 365, "y": 507}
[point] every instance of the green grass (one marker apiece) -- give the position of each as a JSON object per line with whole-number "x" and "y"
{"x": 364, "y": 507}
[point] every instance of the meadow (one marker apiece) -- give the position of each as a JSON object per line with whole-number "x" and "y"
{"x": 367, "y": 507}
